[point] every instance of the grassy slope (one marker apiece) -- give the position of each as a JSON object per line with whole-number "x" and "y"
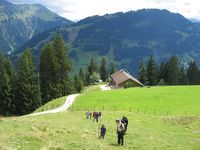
{"x": 171, "y": 99}
{"x": 52, "y": 104}
{"x": 70, "y": 130}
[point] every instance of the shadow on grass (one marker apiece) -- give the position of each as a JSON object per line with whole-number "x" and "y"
{"x": 114, "y": 144}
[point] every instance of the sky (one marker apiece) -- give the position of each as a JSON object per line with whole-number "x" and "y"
{"x": 79, "y": 9}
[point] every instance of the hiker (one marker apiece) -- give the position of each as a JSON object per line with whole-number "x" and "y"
{"x": 100, "y": 115}
{"x": 87, "y": 114}
{"x": 120, "y": 132}
{"x": 93, "y": 115}
{"x": 96, "y": 116}
{"x": 102, "y": 131}
{"x": 90, "y": 115}
{"x": 124, "y": 120}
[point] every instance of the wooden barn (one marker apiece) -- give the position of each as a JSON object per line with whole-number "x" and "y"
{"x": 123, "y": 79}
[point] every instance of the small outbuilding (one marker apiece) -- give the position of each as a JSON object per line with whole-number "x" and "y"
{"x": 123, "y": 79}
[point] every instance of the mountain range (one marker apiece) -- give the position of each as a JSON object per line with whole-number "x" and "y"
{"x": 20, "y": 22}
{"x": 123, "y": 38}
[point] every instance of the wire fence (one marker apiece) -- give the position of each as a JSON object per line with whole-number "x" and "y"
{"x": 149, "y": 111}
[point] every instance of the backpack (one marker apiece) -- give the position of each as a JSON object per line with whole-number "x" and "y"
{"x": 121, "y": 127}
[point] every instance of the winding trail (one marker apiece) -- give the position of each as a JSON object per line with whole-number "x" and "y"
{"x": 69, "y": 101}
{"x": 105, "y": 87}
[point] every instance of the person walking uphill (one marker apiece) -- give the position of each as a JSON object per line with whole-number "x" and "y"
{"x": 120, "y": 132}
{"x": 103, "y": 131}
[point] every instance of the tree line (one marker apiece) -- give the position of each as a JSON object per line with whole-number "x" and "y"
{"x": 168, "y": 73}
{"x": 94, "y": 73}
{"x": 23, "y": 88}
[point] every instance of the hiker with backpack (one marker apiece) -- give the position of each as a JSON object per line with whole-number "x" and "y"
{"x": 120, "y": 132}
{"x": 96, "y": 116}
{"x": 124, "y": 120}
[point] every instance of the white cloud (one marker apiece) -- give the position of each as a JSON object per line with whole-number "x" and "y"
{"x": 79, "y": 9}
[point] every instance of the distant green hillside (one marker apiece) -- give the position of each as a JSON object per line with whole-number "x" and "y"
{"x": 127, "y": 37}
{"x": 20, "y": 22}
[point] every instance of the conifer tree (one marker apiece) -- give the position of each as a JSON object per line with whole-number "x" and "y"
{"x": 28, "y": 89}
{"x": 142, "y": 73}
{"x": 48, "y": 74}
{"x": 63, "y": 66}
{"x": 183, "y": 80}
{"x": 193, "y": 74}
{"x": 2, "y": 67}
{"x": 55, "y": 67}
{"x": 81, "y": 74}
{"x": 7, "y": 86}
{"x": 6, "y": 95}
{"x": 173, "y": 71}
{"x": 103, "y": 70}
{"x": 1, "y": 79}
{"x": 152, "y": 73}
{"x": 13, "y": 77}
{"x": 78, "y": 84}
{"x": 92, "y": 67}
{"x": 113, "y": 69}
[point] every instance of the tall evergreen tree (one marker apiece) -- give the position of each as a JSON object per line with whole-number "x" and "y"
{"x": 1, "y": 79}
{"x": 173, "y": 71}
{"x": 152, "y": 72}
{"x": 193, "y": 74}
{"x": 142, "y": 73}
{"x": 13, "y": 79}
{"x": 113, "y": 68}
{"x": 48, "y": 73}
{"x": 6, "y": 95}
{"x": 7, "y": 86}
{"x": 55, "y": 67}
{"x": 103, "y": 70}
{"x": 63, "y": 66}
{"x": 81, "y": 74}
{"x": 28, "y": 89}
{"x": 78, "y": 83}
{"x": 183, "y": 80}
{"x": 92, "y": 67}
{"x": 2, "y": 67}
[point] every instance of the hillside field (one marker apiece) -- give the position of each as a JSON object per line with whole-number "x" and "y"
{"x": 70, "y": 130}
{"x": 158, "y": 100}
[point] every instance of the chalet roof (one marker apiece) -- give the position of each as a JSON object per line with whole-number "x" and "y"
{"x": 122, "y": 76}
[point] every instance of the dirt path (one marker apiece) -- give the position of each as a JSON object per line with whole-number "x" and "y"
{"x": 69, "y": 101}
{"x": 105, "y": 87}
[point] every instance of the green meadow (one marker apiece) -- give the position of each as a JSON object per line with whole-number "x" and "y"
{"x": 69, "y": 130}
{"x": 153, "y": 100}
